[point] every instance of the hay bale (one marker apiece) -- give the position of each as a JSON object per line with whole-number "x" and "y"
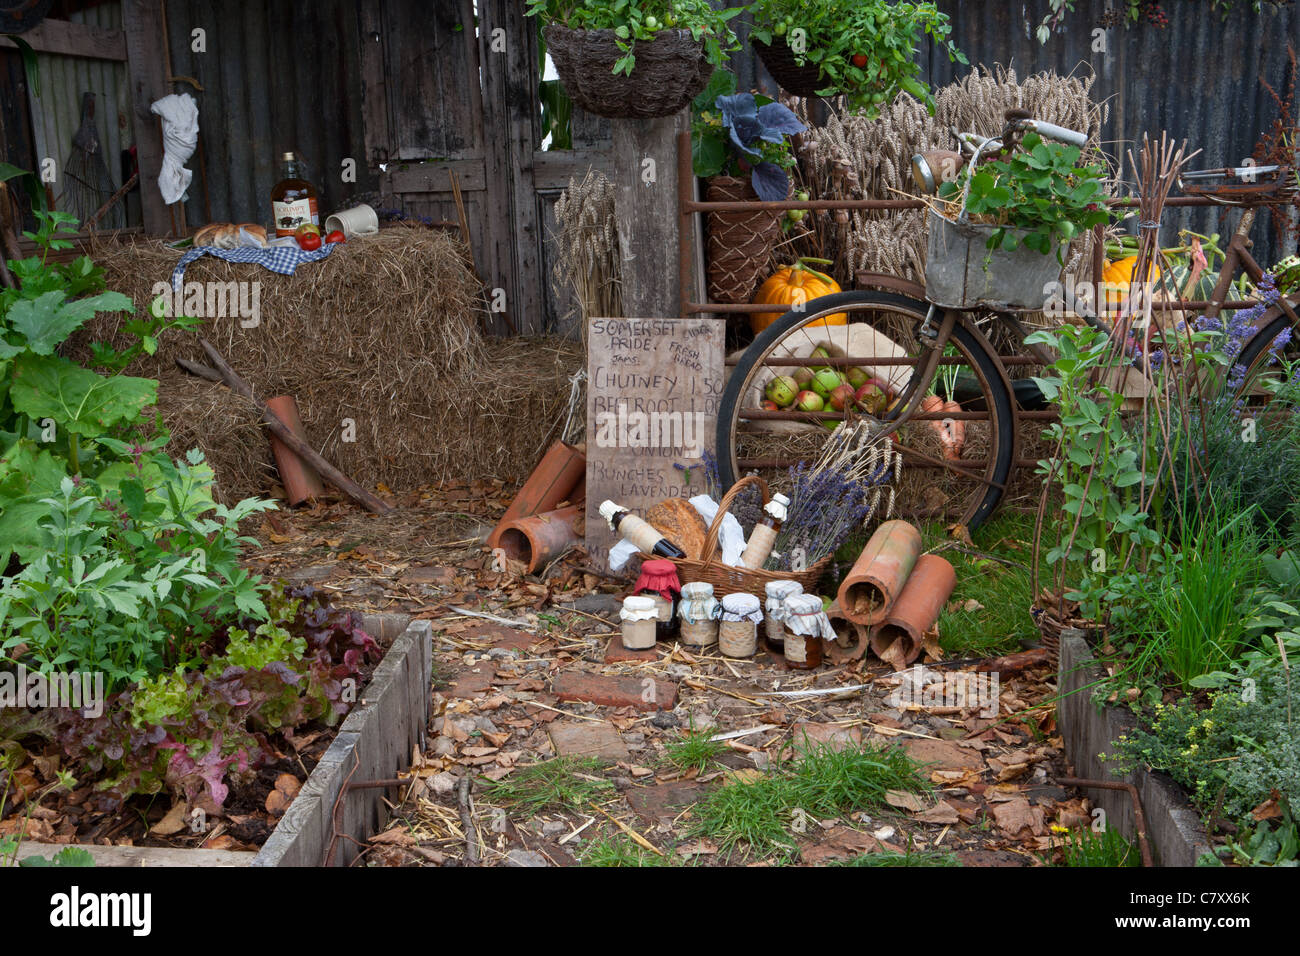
{"x": 379, "y": 343}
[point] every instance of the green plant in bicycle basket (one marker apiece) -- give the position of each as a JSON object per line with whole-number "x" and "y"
{"x": 633, "y": 20}
{"x": 1038, "y": 196}
{"x": 864, "y": 49}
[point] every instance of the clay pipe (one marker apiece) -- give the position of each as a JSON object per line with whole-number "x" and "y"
{"x": 898, "y": 640}
{"x": 851, "y": 638}
{"x": 537, "y": 540}
{"x": 878, "y": 575}
{"x": 561, "y": 469}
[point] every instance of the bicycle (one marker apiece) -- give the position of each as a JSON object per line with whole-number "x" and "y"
{"x": 912, "y": 346}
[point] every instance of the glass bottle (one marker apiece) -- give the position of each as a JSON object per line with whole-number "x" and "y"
{"x": 293, "y": 199}
{"x": 764, "y": 534}
{"x": 639, "y": 531}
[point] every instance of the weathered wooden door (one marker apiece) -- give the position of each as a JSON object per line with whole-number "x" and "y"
{"x": 448, "y": 92}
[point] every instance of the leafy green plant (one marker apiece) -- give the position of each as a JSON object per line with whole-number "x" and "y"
{"x": 863, "y": 49}
{"x": 1099, "y": 472}
{"x": 56, "y": 417}
{"x": 191, "y": 730}
{"x": 1232, "y": 755}
{"x": 1199, "y": 607}
{"x": 1038, "y": 196}
{"x": 744, "y": 132}
{"x": 136, "y": 589}
{"x": 633, "y": 20}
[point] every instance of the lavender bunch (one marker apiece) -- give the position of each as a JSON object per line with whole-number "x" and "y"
{"x": 1239, "y": 326}
{"x": 827, "y": 504}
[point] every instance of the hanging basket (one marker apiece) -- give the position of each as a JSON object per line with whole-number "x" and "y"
{"x": 670, "y": 71}
{"x": 732, "y": 580}
{"x": 740, "y": 243}
{"x": 780, "y": 61}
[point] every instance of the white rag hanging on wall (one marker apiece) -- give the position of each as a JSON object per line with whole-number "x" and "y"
{"x": 180, "y": 128}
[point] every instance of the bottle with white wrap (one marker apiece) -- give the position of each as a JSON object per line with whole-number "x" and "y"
{"x": 764, "y": 534}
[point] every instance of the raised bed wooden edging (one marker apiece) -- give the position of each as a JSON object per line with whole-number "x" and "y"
{"x": 375, "y": 742}
{"x": 1174, "y": 827}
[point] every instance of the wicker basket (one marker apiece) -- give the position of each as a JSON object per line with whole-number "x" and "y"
{"x": 740, "y": 243}
{"x": 671, "y": 70}
{"x": 728, "y": 580}
{"x": 780, "y": 62}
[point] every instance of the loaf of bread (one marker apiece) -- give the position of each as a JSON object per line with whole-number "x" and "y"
{"x": 229, "y": 235}
{"x": 680, "y": 523}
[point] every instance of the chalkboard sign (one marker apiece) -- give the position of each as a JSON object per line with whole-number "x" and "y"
{"x": 653, "y": 389}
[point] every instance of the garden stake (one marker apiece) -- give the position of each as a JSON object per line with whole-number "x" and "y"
{"x": 225, "y": 375}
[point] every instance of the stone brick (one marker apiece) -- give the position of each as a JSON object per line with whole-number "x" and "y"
{"x": 472, "y": 682}
{"x": 616, "y": 653}
{"x": 587, "y": 738}
{"x": 943, "y": 755}
{"x": 642, "y": 693}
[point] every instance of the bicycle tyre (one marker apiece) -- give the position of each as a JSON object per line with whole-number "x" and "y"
{"x": 978, "y": 351}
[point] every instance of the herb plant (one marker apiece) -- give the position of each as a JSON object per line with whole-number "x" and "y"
{"x": 633, "y": 20}
{"x": 1103, "y": 526}
{"x": 1040, "y": 191}
{"x": 864, "y": 49}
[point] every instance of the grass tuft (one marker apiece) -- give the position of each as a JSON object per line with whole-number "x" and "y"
{"x": 765, "y": 814}
{"x": 695, "y": 750}
{"x": 565, "y": 783}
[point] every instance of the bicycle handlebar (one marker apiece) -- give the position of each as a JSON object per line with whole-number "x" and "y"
{"x": 1068, "y": 136}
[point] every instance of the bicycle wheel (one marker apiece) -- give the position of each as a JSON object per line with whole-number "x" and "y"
{"x": 878, "y": 334}
{"x": 1270, "y": 325}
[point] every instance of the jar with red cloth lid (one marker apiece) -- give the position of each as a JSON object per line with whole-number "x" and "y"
{"x": 659, "y": 581}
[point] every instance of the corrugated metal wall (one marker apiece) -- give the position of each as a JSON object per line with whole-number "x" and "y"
{"x": 1197, "y": 78}
{"x": 285, "y": 75}
{"x": 56, "y": 114}
{"x": 276, "y": 77}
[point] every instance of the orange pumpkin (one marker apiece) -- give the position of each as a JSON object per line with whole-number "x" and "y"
{"x": 792, "y": 285}
{"x": 1116, "y": 279}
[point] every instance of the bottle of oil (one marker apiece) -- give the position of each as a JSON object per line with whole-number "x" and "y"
{"x": 764, "y": 534}
{"x": 293, "y": 200}
{"x": 639, "y": 531}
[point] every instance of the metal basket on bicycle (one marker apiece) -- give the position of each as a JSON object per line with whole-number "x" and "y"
{"x": 962, "y": 272}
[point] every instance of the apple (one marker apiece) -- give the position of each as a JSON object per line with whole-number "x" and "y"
{"x": 769, "y": 406}
{"x": 803, "y": 376}
{"x": 872, "y": 398}
{"x": 842, "y": 397}
{"x": 781, "y": 390}
{"x": 809, "y": 401}
{"x": 826, "y": 381}
{"x": 857, "y": 377}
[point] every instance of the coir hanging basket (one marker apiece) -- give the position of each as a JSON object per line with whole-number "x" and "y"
{"x": 780, "y": 62}
{"x": 670, "y": 71}
{"x": 732, "y": 580}
{"x": 740, "y": 243}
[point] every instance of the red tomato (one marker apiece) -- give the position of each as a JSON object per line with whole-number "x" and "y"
{"x": 309, "y": 242}
{"x": 859, "y": 60}
{"x": 336, "y": 236}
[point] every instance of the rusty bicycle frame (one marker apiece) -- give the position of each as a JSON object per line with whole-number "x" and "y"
{"x": 1236, "y": 256}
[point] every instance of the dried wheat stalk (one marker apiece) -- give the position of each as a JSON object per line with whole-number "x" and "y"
{"x": 857, "y": 158}
{"x": 587, "y": 260}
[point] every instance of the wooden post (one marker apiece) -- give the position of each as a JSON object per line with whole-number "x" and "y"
{"x": 644, "y": 166}
{"x": 142, "y": 21}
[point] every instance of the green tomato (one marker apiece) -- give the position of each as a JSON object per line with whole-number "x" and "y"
{"x": 651, "y": 23}
{"x": 1066, "y": 229}
{"x": 779, "y": 29}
